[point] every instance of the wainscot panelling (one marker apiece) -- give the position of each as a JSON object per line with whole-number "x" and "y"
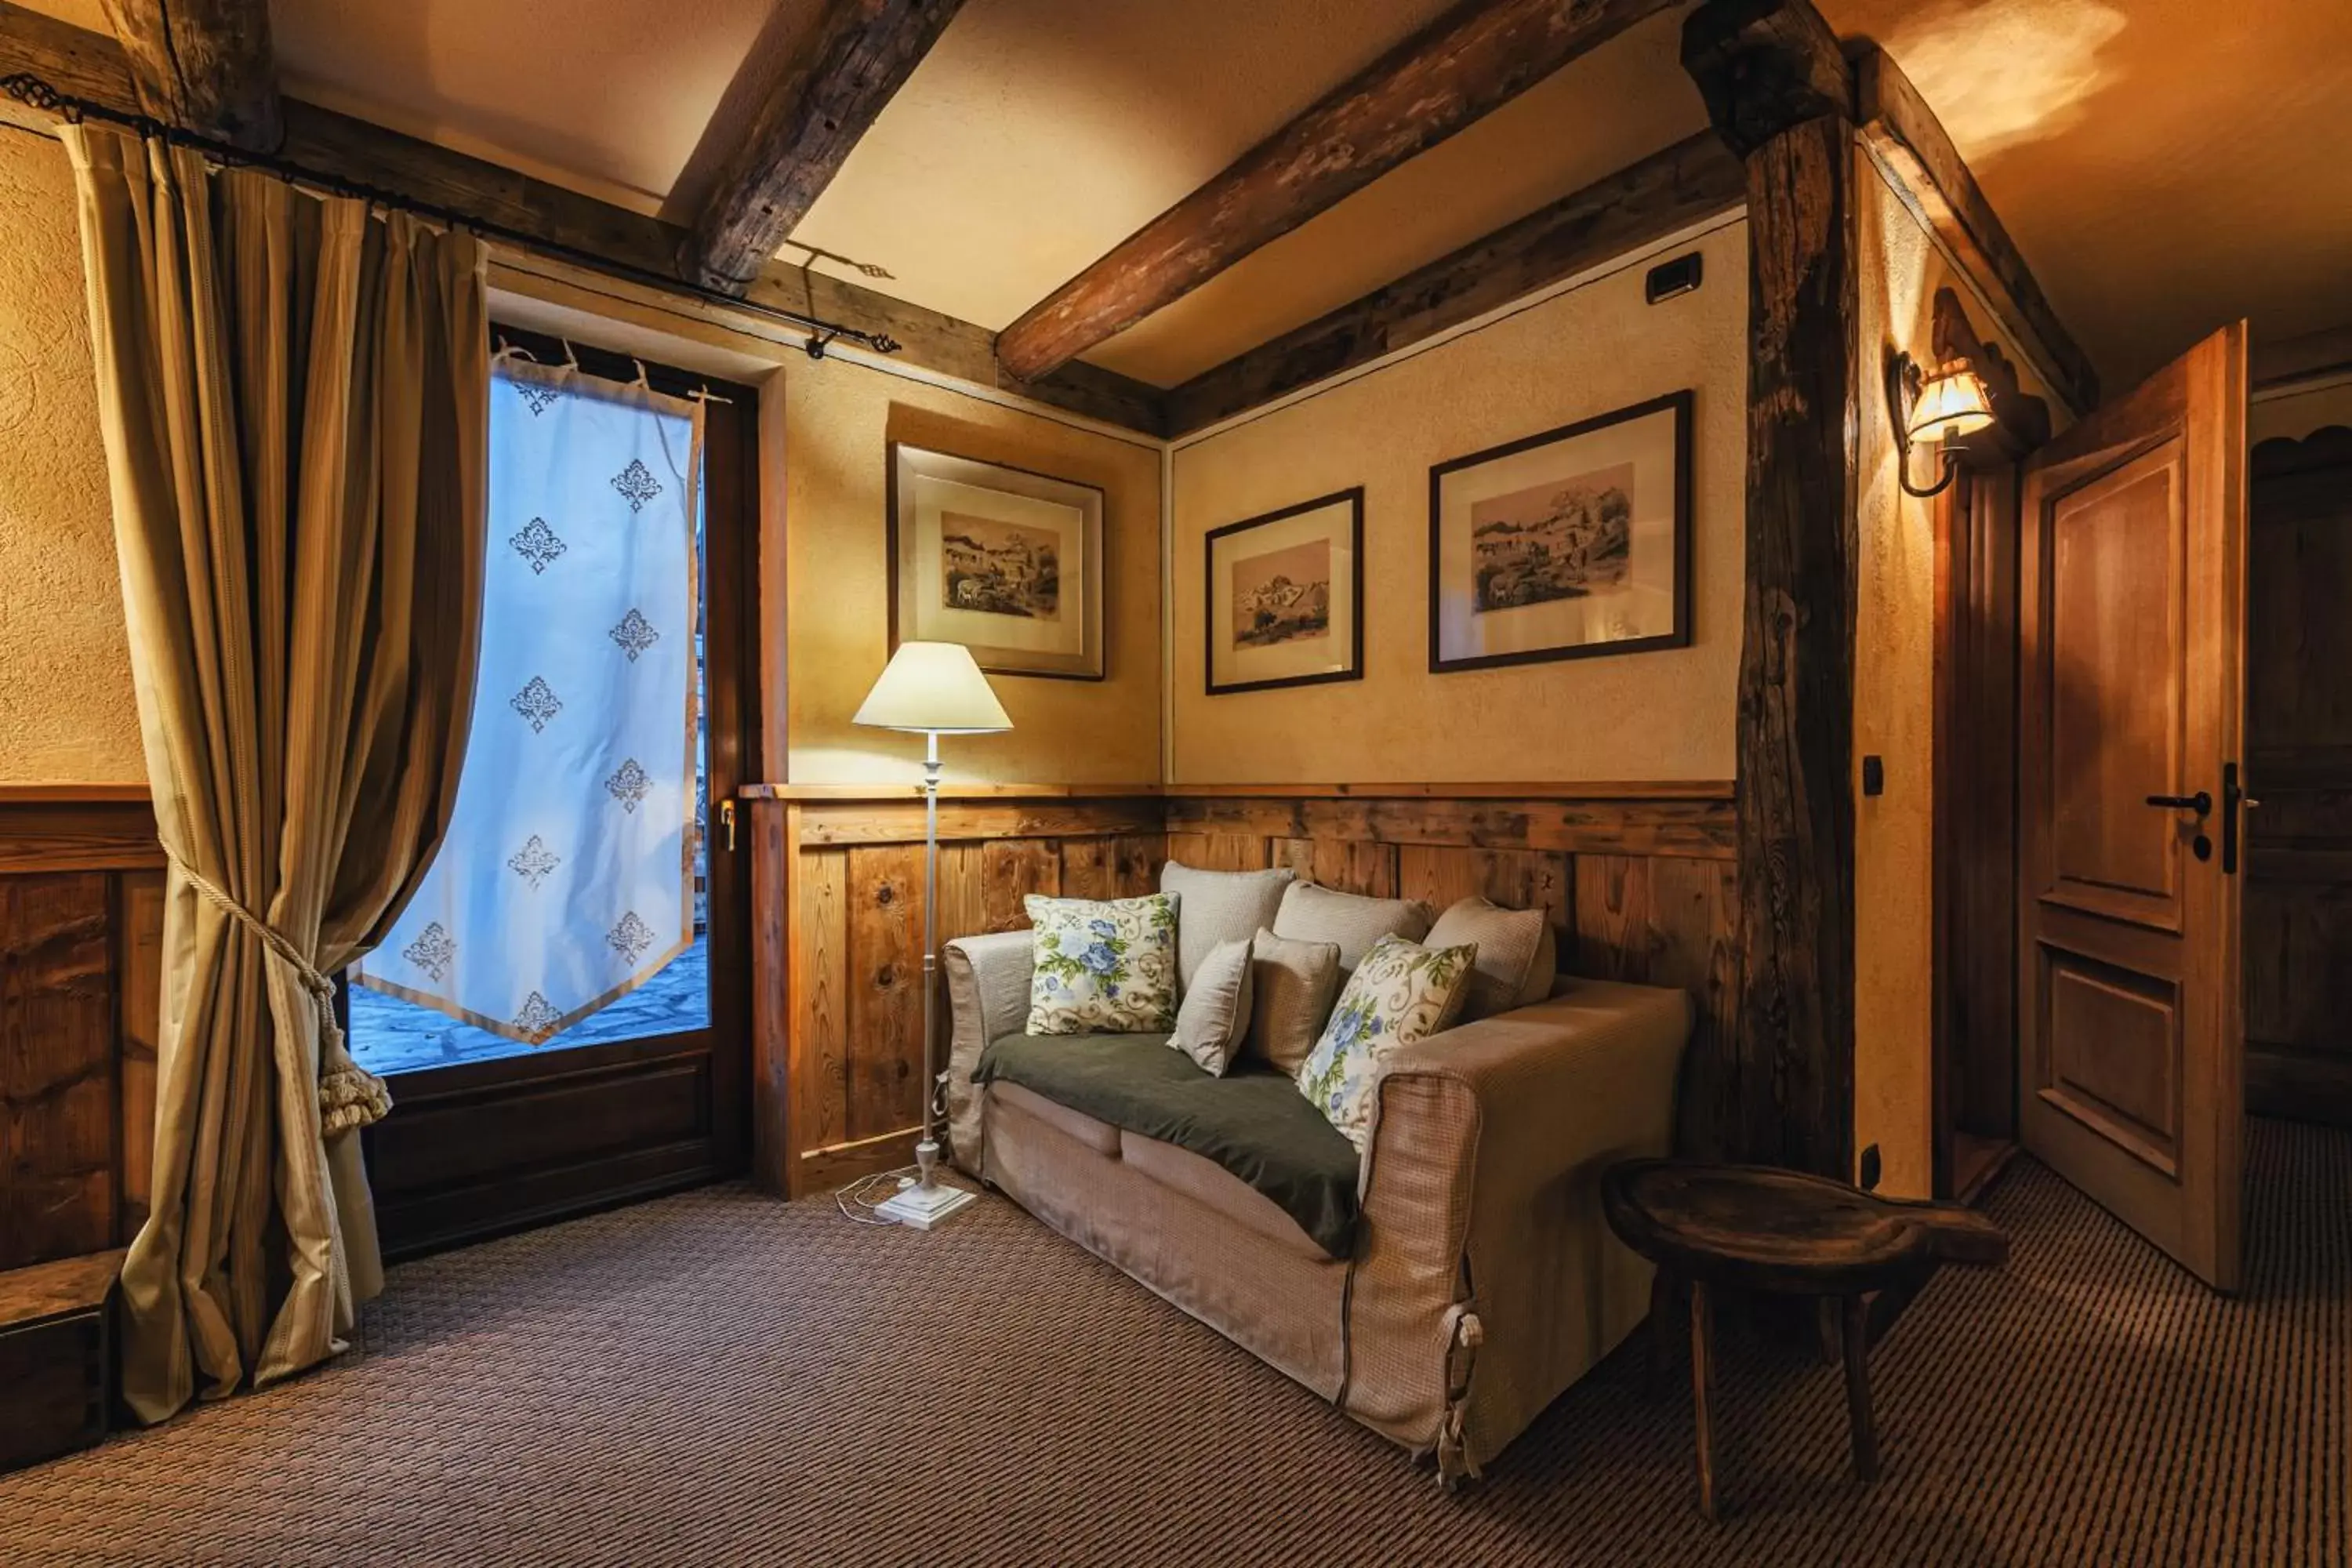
{"x": 838, "y": 1005}
{"x": 81, "y": 924}
{"x": 1637, "y": 877}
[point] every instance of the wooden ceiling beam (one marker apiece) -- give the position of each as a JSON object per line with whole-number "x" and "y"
{"x": 1905, "y": 132}
{"x": 204, "y": 65}
{"x": 1473, "y": 59}
{"x": 1682, "y": 184}
{"x": 795, "y": 140}
{"x": 89, "y": 65}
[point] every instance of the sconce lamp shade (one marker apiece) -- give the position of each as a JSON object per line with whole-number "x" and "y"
{"x": 933, "y": 688}
{"x": 1951, "y": 404}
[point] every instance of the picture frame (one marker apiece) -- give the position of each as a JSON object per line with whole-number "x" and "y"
{"x": 1574, "y": 542}
{"x": 1006, "y": 562}
{"x": 1282, "y": 597}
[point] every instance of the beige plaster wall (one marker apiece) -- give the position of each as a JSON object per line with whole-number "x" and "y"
{"x": 1894, "y": 889}
{"x": 838, "y": 420}
{"x": 66, "y": 713}
{"x": 1663, "y": 715}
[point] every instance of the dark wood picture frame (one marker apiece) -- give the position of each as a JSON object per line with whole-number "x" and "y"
{"x": 1095, "y": 575}
{"x": 1354, "y": 497}
{"x": 1680, "y": 404}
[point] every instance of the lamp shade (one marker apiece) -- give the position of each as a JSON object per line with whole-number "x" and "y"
{"x": 1950, "y": 404}
{"x": 935, "y": 687}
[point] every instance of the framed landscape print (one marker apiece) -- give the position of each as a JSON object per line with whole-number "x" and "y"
{"x": 1285, "y": 596}
{"x": 1005, "y": 562}
{"x": 1567, "y": 544}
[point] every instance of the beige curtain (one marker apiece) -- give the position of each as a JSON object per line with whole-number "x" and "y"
{"x": 293, "y": 395}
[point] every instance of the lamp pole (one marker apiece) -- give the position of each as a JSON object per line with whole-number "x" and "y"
{"x": 927, "y": 1152}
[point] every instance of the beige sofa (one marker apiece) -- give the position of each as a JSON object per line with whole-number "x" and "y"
{"x": 1484, "y": 1280}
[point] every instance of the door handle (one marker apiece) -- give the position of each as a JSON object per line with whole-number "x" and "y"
{"x": 2201, "y": 802}
{"x": 727, "y": 820}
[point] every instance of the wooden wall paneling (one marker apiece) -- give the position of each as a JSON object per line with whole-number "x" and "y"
{"x": 1440, "y": 876}
{"x": 1676, "y": 825}
{"x": 1086, "y": 869}
{"x": 1355, "y": 865}
{"x": 138, "y": 983}
{"x": 901, "y": 822}
{"x": 1011, "y": 869}
{"x": 59, "y": 1120}
{"x": 1693, "y": 907}
{"x": 1136, "y": 859}
{"x": 1614, "y": 930}
{"x": 821, "y": 1017}
{"x": 884, "y": 1058}
{"x": 1220, "y": 851}
{"x": 776, "y": 988}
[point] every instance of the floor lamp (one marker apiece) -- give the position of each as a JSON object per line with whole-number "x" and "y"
{"x": 931, "y": 689}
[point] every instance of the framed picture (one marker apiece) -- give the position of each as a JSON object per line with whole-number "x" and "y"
{"x": 1284, "y": 597}
{"x": 1568, "y": 545}
{"x": 1005, "y": 562}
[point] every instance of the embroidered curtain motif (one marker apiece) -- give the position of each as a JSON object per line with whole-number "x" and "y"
{"x": 567, "y": 878}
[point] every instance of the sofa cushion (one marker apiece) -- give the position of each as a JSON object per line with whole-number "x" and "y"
{"x": 1215, "y": 907}
{"x": 1214, "y": 1016}
{"x": 1515, "y": 954}
{"x": 1251, "y": 1121}
{"x": 1102, "y": 966}
{"x": 1403, "y": 992}
{"x": 1292, "y": 984}
{"x": 1216, "y": 1189}
{"x": 1313, "y": 913}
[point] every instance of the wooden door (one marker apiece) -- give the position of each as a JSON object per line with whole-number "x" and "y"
{"x": 2299, "y": 744}
{"x": 2132, "y": 657}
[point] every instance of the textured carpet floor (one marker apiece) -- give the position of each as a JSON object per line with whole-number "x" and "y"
{"x": 721, "y": 1378}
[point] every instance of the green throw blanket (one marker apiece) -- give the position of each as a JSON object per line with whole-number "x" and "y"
{"x": 1253, "y": 1122}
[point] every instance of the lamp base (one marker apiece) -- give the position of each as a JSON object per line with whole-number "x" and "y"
{"x": 924, "y": 1207}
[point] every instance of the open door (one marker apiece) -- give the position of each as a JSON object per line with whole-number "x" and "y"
{"x": 2132, "y": 659}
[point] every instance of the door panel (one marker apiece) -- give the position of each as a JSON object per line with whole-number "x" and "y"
{"x": 2132, "y": 633}
{"x": 2116, "y": 693}
{"x": 2299, "y": 736}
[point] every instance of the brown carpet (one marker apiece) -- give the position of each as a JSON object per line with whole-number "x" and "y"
{"x": 720, "y": 1378}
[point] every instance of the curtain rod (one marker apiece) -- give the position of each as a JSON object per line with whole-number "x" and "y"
{"x": 35, "y": 93}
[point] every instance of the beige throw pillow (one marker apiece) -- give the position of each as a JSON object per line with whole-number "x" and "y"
{"x": 1213, "y": 1018}
{"x": 1313, "y": 913}
{"x": 1295, "y": 982}
{"x": 1515, "y": 954}
{"x": 1214, "y": 907}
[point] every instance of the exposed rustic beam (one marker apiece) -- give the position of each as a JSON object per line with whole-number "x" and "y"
{"x": 90, "y": 67}
{"x": 204, "y": 65}
{"x": 1682, "y": 184}
{"x": 1473, "y": 59}
{"x": 1770, "y": 71}
{"x": 795, "y": 140}
{"x": 1901, "y": 129}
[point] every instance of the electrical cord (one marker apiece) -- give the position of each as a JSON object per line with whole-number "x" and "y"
{"x": 853, "y": 1197}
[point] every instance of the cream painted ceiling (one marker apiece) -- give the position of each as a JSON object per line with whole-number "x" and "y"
{"x": 2163, "y": 167}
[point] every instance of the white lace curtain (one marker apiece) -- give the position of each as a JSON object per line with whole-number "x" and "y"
{"x": 567, "y": 878}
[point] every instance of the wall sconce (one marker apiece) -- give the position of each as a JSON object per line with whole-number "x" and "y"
{"x": 1939, "y": 408}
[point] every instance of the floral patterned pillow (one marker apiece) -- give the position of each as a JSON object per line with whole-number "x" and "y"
{"x": 1103, "y": 967}
{"x": 1403, "y": 992}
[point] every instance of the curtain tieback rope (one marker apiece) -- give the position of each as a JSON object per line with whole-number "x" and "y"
{"x": 350, "y": 1096}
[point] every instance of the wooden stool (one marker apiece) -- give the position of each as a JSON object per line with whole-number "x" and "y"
{"x": 1761, "y": 1228}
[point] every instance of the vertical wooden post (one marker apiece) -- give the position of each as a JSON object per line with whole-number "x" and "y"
{"x": 1780, "y": 92}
